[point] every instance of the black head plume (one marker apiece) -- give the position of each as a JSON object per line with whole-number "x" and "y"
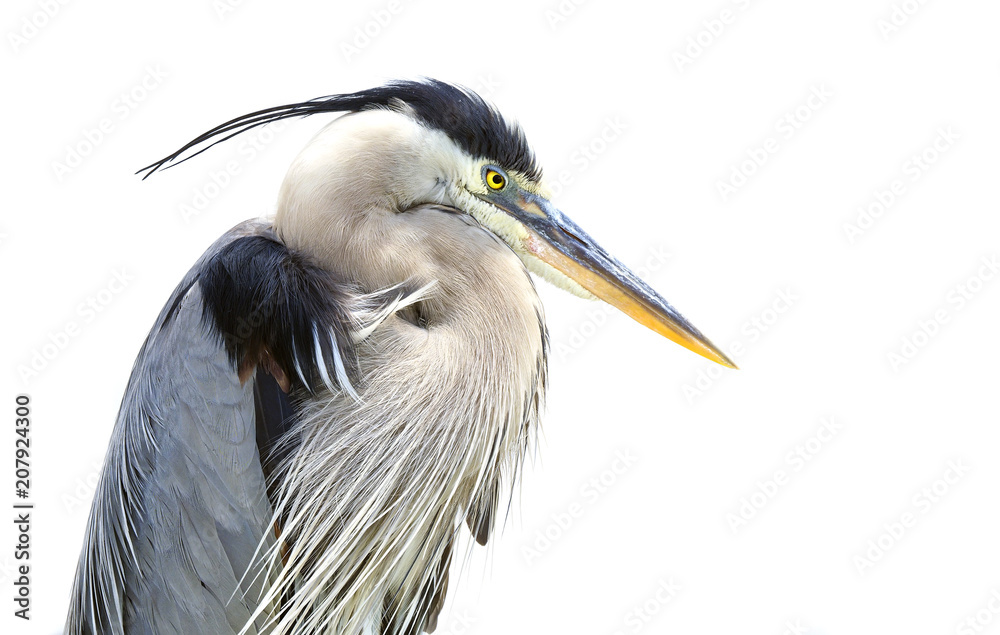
{"x": 473, "y": 124}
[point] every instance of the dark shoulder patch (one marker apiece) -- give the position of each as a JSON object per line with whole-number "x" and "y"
{"x": 269, "y": 304}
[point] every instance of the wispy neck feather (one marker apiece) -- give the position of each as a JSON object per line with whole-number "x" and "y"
{"x": 374, "y": 492}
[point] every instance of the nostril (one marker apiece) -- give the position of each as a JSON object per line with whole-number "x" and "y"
{"x": 575, "y": 237}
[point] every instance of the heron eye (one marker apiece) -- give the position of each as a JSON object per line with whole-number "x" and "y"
{"x": 495, "y": 180}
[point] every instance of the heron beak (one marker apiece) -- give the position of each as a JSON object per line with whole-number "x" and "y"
{"x": 560, "y": 243}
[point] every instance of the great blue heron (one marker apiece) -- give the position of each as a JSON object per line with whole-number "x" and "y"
{"x": 328, "y": 394}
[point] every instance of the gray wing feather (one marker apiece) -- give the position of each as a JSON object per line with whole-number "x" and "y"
{"x": 205, "y": 503}
{"x": 181, "y": 504}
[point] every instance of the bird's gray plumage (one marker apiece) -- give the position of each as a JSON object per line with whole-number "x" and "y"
{"x": 204, "y": 508}
{"x": 180, "y": 506}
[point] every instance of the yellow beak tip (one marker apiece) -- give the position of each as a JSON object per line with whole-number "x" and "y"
{"x": 720, "y": 358}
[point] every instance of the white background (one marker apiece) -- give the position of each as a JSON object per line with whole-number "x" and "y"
{"x": 770, "y": 266}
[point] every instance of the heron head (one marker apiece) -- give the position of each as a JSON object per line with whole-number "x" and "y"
{"x": 432, "y": 142}
{"x": 491, "y": 174}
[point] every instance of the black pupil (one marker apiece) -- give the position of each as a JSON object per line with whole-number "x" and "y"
{"x": 497, "y": 179}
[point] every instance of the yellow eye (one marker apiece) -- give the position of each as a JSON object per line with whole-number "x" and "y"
{"x": 495, "y": 180}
